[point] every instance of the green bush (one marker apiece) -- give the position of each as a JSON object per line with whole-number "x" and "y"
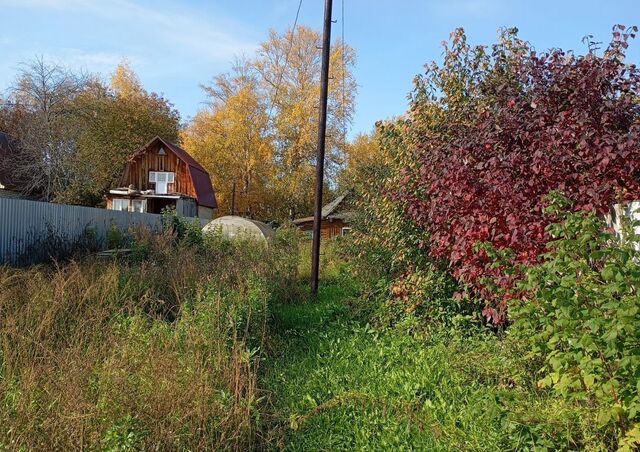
{"x": 580, "y": 319}
{"x": 187, "y": 230}
{"x": 116, "y": 238}
{"x": 388, "y": 253}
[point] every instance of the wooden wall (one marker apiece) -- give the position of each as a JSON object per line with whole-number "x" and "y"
{"x": 328, "y": 228}
{"x": 137, "y": 172}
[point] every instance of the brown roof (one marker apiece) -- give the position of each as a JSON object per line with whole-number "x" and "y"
{"x": 201, "y": 179}
{"x": 329, "y": 211}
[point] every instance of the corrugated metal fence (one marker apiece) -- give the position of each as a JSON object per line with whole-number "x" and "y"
{"x": 29, "y": 229}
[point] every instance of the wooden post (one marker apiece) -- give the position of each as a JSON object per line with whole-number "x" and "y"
{"x": 322, "y": 133}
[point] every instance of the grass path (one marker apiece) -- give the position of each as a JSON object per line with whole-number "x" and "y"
{"x": 340, "y": 385}
{"x": 337, "y": 384}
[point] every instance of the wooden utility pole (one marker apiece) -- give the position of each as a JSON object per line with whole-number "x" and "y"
{"x": 322, "y": 132}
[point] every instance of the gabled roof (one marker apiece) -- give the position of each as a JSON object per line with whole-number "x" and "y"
{"x": 201, "y": 179}
{"x": 329, "y": 210}
{"x": 333, "y": 205}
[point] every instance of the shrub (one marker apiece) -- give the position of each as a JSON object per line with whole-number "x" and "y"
{"x": 187, "y": 230}
{"x": 388, "y": 253}
{"x": 495, "y": 131}
{"x": 581, "y": 320}
{"x": 54, "y": 245}
{"x": 116, "y": 238}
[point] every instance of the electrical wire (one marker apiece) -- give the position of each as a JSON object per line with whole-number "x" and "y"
{"x": 286, "y": 62}
{"x": 344, "y": 81}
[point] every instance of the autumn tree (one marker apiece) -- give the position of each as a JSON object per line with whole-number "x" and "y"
{"x": 284, "y": 79}
{"x": 289, "y": 65}
{"x": 361, "y": 152}
{"x": 113, "y": 122}
{"x": 38, "y": 113}
{"x": 496, "y": 131}
{"x": 231, "y": 140}
{"x": 76, "y": 132}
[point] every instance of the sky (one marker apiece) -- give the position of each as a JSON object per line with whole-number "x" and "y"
{"x": 175, "y": 46}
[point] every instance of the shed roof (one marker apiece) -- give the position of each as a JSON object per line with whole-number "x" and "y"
{"x": 205, "y": 194}
{"x": 329, "y": 210}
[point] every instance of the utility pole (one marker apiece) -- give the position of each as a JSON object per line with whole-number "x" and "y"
{"x": 322, "y": 132}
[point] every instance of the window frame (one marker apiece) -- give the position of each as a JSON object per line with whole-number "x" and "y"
{"x": 142, "y": 202}
{"x": 120, "y": 202}
{"x": 169, "y": 178}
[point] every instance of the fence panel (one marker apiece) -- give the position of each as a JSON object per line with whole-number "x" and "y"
{"x": 29, "y": 229}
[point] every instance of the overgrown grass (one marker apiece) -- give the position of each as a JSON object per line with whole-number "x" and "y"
{"x": 159, "y": 351}
{"x": 215, "y": 345}
{"x": 338, "y": 383}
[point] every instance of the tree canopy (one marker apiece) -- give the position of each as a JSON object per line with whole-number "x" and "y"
{"x": 259, "y": 131}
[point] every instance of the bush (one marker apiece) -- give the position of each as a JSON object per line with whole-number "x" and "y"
{"x": 388, "y": 253}
{"x": 580, "y": 319}
{"x": 187, "y": 230}
{"x": 116, "y": 238}
{"x": 496, "y": 130}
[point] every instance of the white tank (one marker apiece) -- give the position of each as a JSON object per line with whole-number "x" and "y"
{"x": 233, "y": 226}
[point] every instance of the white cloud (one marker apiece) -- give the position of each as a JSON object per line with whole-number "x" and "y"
{"x": 92, "y": 61}
{"x": 172, "y": 26}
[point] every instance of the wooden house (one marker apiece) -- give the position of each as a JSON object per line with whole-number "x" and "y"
{"x": 160, "y": 175}
{"x": 336, "y": 217}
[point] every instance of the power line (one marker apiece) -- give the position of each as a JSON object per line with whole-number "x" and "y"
{"x": 286, "y": 61}
{"x": 344, "y": 81}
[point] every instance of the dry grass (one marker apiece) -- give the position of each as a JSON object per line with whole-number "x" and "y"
{"x": 156, "y": 352}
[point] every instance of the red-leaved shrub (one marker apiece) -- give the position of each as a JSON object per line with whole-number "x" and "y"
{"x": 496, "y": 132}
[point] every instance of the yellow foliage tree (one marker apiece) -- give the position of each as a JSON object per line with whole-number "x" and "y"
{"x": 230, "y": 141}
{"x": 289, "y": 67}
{"x": 125, "y": 82}
{"x": 112, "y": 123}
{"x": 265, "y": 111}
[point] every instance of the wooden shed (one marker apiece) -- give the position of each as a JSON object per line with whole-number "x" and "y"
{"x": 162, "y": 174}
{"x": 336, "y": 217}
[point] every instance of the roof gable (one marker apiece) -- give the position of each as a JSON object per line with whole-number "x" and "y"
{"x": 333, "y": 205}
{"x": 330, "y": 210}
{"x": 200, "y": 177}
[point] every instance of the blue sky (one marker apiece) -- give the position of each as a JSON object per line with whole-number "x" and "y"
{"x": 175, "y": 46}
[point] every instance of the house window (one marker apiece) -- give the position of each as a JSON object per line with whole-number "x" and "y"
{"x": 161, "y": 179}
{"x": 120, "y": 204}
{"x": 346, "y": 231}
{"x": 139, "y": 205}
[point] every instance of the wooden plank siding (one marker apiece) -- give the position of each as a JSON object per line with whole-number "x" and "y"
{"x": 137, "y": 172}
{"x": 328, "y": 228}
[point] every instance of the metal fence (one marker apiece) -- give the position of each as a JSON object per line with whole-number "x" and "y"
{"x": 31, "y": 230}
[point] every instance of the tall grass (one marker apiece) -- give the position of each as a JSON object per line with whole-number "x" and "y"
{"x": 156, "y": 351}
